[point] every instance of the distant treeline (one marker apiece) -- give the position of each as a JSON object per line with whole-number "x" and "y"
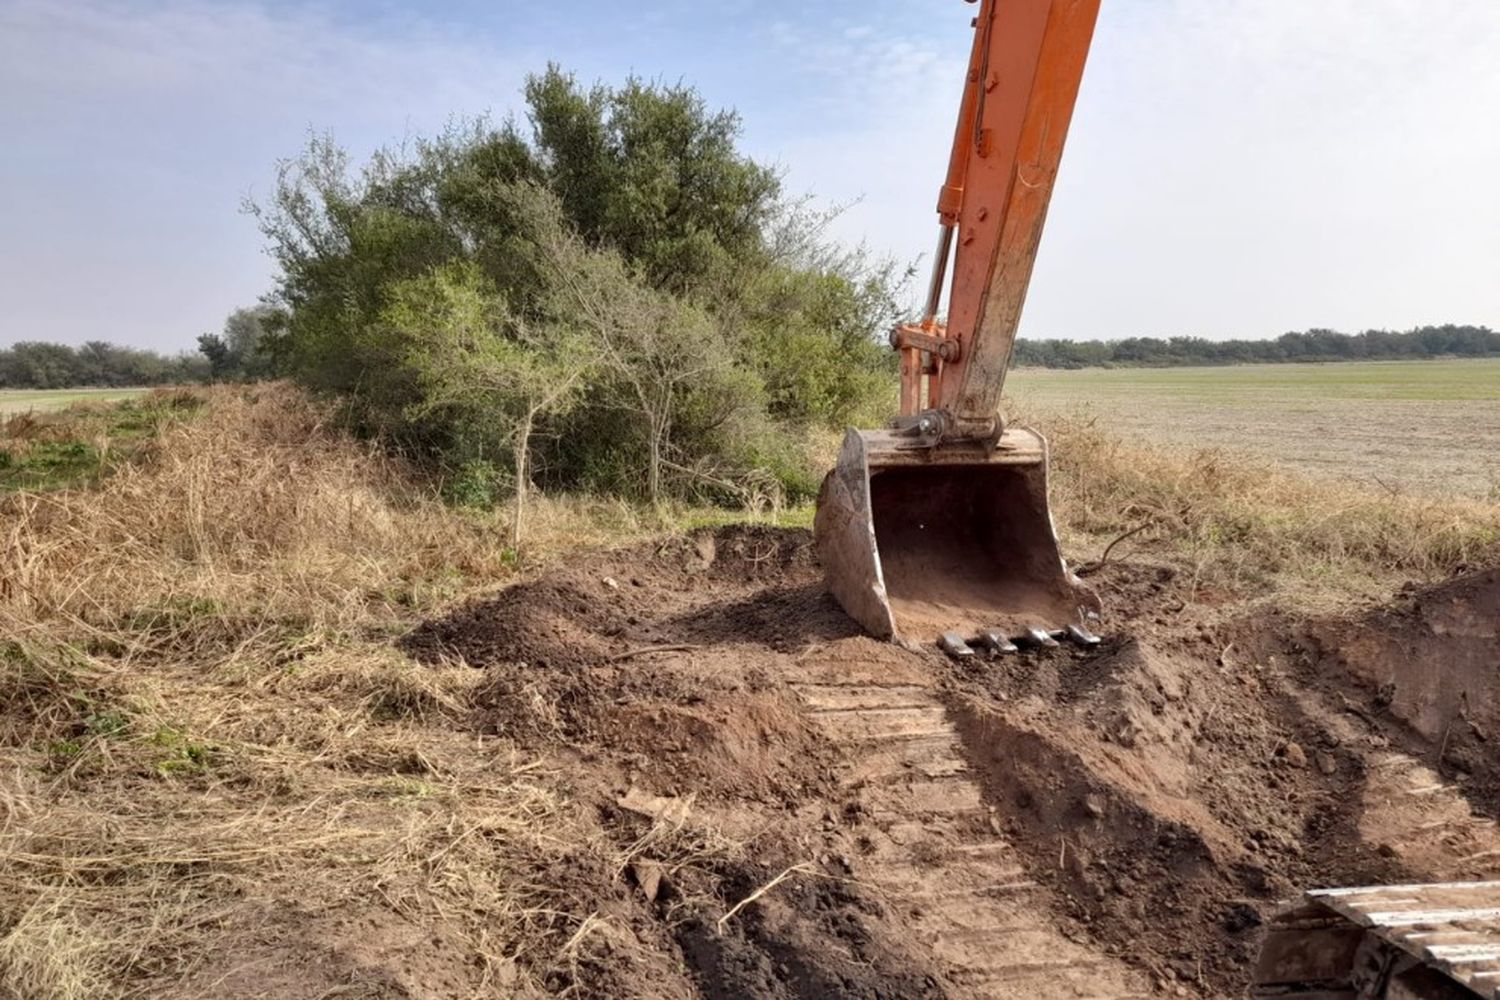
{"x": 233, "y": 355}
{"x": 33, "y": 364}
{"x": 1311, "y": 345}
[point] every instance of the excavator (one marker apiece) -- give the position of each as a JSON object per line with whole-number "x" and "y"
{"x": 936, "y": 529}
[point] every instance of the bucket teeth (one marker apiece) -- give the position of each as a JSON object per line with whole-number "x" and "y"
{"x": 1082, "y": 636}
{"x": 1038, "y": 636}
{"x": 997, "y": 642}
{"x": 954, "y": 645}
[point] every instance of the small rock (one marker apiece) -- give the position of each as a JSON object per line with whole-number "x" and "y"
{"x": 1241, "y": 917}
{"x": 611, "y": 583}
{"x": 1093, "y": 804}
{"x": 1295, "y": 755}
{"x": 1326, "y": 762}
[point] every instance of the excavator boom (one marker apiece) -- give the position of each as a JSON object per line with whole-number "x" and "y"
{"x": 1022, "y": 82}
{"x": 938, "y": 527}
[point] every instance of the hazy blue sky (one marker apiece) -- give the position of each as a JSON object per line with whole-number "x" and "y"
{"x": 1236, "y": 168}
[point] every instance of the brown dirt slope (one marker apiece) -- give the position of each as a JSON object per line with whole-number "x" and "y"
{"x": 1116, "y": 822}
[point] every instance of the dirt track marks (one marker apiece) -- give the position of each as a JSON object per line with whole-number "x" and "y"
{"x": 931, "y": 847}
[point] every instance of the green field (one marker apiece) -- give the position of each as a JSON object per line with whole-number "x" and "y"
{"x": 1430, "y": 427}
{"x": 1461, "y": 380}
{"x": 42, "y": 400}
{"x": 44, "y": 445}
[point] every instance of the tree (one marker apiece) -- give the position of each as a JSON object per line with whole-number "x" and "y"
{"x": 650, "y": 171}
{"x": 626, "y": 219}
{"x": 482, "y": 365}
{"x": 243, "y": 351}
{"x": 38, "y": 365}
{"x": 245, "y": 334}
{"x": 653, "y": 343}
{"x": 220, "y": 357}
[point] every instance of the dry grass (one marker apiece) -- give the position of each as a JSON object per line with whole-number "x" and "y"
{"x": 1425, "y": 427}
{"x": 1243, "y": 524}
{"x": 212, "y": 762}
{"x": 214, "y": 765}
{"x": 258, "y": 505}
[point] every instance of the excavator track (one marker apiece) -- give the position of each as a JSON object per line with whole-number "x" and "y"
{"x": 1435, "y": 941}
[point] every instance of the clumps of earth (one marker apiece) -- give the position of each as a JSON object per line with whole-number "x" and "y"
{"x": 1154, "y": 799}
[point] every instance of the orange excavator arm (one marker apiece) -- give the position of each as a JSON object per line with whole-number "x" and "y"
{"x": 937, "y": 527}
{"x": 1024, "y": 72}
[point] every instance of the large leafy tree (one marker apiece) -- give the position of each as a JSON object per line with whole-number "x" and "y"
{"x": 624, "y": 220}
{"x": 650, "y": 171}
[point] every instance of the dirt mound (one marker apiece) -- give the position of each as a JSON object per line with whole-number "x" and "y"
{"x": 1172, "y": 799}
{"x": 1423, "y": 675}
{"x": 1431, "y": 660}
{"x": 738, "y": 584}
{"x": 863, "y": 811}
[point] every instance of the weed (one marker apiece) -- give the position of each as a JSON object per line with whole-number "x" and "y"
{"x": 179, "y": 753}
{"x": 400, "y": 787}
{"x": 65, "y": 749}
{"x": 107, "y": 723}
{"x": 475, "y": 484}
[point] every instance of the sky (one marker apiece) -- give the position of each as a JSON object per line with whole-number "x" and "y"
{"x": 1236, "y": 168}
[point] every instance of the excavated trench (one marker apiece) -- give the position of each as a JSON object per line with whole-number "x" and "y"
{"x": 1107, "y": 823}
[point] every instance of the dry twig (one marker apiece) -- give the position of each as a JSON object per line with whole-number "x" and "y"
{"x": 737, "y": 907}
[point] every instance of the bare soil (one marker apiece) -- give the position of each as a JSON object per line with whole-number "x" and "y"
{"x": 1064, "y": 823}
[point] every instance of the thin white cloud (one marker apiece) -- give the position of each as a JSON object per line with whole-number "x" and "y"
{"x": 239, "y": 55}
{"x": 1236, "y": 168}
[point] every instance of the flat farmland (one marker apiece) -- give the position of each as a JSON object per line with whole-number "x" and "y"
{"x": 41, "y": 400}
{"x": 1427, "y": 427}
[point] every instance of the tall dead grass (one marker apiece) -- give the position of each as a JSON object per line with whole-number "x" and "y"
{"x": 211, "y": 757}
{"x": 1243, "y": 523}
{"x": 258, "y": 502}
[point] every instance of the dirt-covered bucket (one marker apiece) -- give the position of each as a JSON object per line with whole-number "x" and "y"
{"x": 918, "y": 542}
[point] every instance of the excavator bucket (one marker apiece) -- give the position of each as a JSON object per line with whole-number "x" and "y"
{"x": 918, "y": 543}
